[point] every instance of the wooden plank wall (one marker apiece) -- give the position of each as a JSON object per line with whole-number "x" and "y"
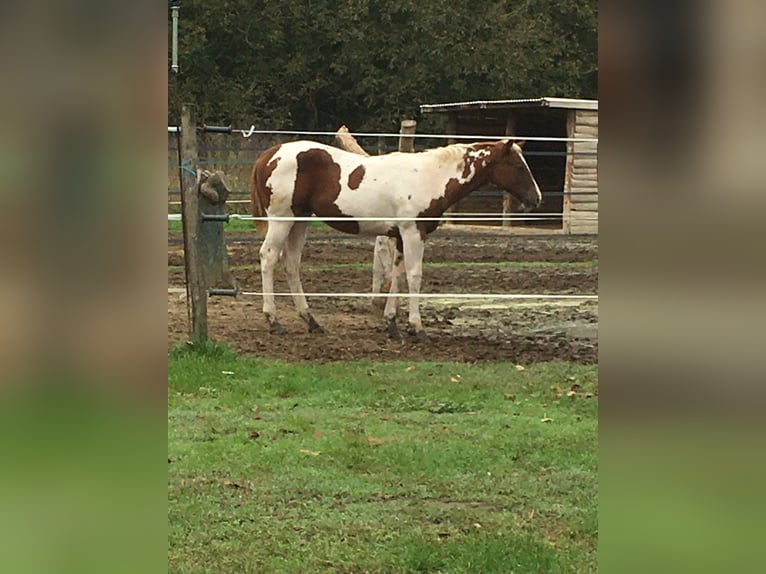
{"x": 581, "y": 179}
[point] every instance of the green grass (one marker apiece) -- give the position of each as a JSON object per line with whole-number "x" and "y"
{"x": 380, "y": 467}
{"x": 233, "y": 225}
{"x": 239, "y": 225}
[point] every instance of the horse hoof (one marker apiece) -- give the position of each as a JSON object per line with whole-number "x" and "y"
{"x": 276, "y": 328}
{"x": 393, "y": 331}
{"x": 421, "y": 337}
{"x": 315, "y": 327}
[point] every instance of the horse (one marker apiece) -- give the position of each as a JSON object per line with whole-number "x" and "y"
{"x": 304, "y": 178}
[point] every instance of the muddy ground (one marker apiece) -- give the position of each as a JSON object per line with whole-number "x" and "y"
{"x": 522, "y": 331}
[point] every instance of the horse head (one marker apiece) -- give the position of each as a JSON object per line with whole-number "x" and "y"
{"x": 511, "y": 173}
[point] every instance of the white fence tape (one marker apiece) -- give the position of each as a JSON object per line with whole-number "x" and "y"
{"x": 478, "y": 217}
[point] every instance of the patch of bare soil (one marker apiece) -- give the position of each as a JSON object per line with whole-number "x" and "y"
{"x": 523, "y": 331}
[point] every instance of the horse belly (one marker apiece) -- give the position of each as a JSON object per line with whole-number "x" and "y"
{"x": 375, "y": 227}
{"x": 380, "y": 211}
{"x": 367, "y": 202}
{"x": 393, "y": 189}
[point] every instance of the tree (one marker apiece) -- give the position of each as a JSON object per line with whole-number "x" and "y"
{"x": 315, "y": 64}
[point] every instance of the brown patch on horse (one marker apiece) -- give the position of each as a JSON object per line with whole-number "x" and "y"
{"x": 471, "y": 163}
{"x": 435, "y": 209}
{"x": 454, "y": 191}
{"x": 394, "y": 233}
{"x": 349, "y": 226}
{"x": 317, "y": 186}
{"x": 260, "y": 190}
{"x": 355, "y": 177}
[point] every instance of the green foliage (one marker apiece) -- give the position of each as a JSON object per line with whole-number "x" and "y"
{"x": 369, "y": 63}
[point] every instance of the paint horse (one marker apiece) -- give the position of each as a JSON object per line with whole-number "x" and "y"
{"x": 302, "y": 178}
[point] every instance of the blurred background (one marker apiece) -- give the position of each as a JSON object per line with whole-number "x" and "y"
{"x": 82, "y": 311}
{"x": 681, "y": 333}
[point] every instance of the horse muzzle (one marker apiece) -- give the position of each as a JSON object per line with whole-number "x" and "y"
{"x": 535, "y": 204}
{"x": 527, "y": 207}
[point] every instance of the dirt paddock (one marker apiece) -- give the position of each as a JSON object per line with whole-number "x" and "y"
{"x": 457, "y": 260}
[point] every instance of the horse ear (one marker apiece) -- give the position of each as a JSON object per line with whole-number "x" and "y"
{"x": 509, "y": 143}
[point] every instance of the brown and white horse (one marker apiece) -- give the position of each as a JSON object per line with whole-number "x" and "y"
{"x": 302, "y": 178}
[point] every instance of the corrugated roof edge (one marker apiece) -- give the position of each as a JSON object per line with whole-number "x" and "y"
{"x": 517, "y": 103}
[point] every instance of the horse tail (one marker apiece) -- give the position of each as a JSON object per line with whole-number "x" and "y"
{"x": 256, "y": 203}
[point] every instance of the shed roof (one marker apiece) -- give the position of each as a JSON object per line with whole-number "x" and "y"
{"x": 519, "y": 103}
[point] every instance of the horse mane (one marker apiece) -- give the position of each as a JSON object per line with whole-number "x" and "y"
{"x": 455, "y": 152}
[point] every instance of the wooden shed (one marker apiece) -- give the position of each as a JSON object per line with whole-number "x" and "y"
{"x": 567, "y": 172}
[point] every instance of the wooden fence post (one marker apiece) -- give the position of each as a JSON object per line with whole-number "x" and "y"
{"x": 407, "y": 144}
{"x": 196, "y": 292}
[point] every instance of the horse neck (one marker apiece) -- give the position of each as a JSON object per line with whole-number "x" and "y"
{"x": 470, "y": 174}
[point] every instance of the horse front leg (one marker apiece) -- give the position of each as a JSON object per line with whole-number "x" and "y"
{"x": 413, "y": 260}
{"x": 392, "y": 302}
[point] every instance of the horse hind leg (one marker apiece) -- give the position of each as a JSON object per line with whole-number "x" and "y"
{"x": 292, "y": 260}
{"x": 383, "y": 263}
{"x": 392, "y": 303}
{"x": 270, "y": 253}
